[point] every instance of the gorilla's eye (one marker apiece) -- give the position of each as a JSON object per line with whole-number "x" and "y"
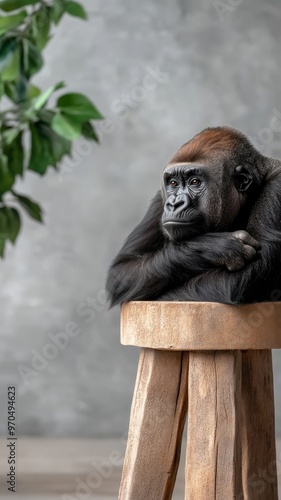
{"x": 173, "y": 183}
{"x": 195, "y": 181}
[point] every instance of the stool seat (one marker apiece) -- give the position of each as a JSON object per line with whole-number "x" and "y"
{"x": 213, "y": 362}
{"x": 200, "y": 326}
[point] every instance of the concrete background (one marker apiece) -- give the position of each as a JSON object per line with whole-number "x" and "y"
{"x": 212, "y": 67}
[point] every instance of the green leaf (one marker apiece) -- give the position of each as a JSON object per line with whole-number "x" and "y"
{"x": 47, "y": 147}
{"x": 75, "y": 9}
{"x": 3, "y": 224}
{"x": 31, "y": 207}
{"x": 10, "y": 134}
{"x": 8, "y": 47}
{"x": 13, "y": 223}
{"x": 46, "y": 115}
{"x": 3, "y": 232}
{"x": 41, "y": 155}
{"x": 2, "y": 89}
{"x": 66, "y": 126}
{"x": 21, "y": 88}
{"x": 43, "y": 98}
{"x": 24, "y": 54}
{"x": 80, "y": 106}
{"x": 9, "y": 5}
{"x": 10, "y": 22}
{"x": 57, "y": 11}
{"x": 10, "y": 91}
{"x": 2, "y": 247}
{"x": 15, "y": 155}
{"x": 11, "y": 71}
{"x": 6, "y": 178}
{"x": 40, "y": 27}
{"x": 59, "y": 146}
{"x": 32, "y": 59}
{"x": 88, "y": 131}
{"x": 33, "y": 91}
{"x": 30, "y": 115}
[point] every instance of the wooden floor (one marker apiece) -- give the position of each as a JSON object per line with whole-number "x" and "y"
{"x": 73, "y": 470}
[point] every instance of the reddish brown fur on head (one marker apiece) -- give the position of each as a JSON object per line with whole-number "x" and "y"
{"x": 219, "y": 151}
{"x": 219, "y": 141}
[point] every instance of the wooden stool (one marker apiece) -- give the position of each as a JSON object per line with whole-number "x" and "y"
{"x": 214, "y": 361}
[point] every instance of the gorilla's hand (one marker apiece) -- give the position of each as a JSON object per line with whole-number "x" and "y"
{"x": 232, "y": 250}
{"x": 246, "y": 252}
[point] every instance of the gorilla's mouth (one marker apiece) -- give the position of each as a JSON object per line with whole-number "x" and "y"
{"x": 178, "y": 230}
{"x": 175, "y": 223}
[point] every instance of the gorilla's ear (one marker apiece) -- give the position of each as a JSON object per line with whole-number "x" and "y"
{"x": 242, "y": 178}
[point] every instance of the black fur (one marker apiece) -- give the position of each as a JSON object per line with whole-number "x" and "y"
{"x": 194, "y": 265}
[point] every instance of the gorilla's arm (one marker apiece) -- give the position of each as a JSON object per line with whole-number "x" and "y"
{"x": 149, "y": 264}
{"x": 259, "y": 280}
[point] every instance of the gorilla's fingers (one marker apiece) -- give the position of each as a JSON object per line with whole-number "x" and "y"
{"x": 249, "y": 252}
{"x": 236, "y": 265}
{"x": 247, "y": 238}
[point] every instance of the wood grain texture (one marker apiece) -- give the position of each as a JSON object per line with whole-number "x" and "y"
{"x": 213, "y": 460}
{"x": 157, "y": 420}
{"x": 203, "y": 325}
{"x": 258, "y": 445}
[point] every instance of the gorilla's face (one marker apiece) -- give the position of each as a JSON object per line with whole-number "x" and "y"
{"x": 201, "y": 197}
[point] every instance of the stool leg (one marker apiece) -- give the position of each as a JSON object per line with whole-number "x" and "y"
{"x": 258, "y": 450}
{"x": 213, "y": 466}
{"x": 157, "y": 420}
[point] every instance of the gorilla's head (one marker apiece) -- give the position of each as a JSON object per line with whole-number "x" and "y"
{"x": 207, "y": 182}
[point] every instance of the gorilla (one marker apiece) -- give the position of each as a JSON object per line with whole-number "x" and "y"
{"x": 213, "y": 230}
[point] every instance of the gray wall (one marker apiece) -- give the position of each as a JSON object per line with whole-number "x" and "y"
{"x": 216, "y": 69}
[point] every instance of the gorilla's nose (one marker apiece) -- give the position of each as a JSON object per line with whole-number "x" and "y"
{"x": 177, "y": 203}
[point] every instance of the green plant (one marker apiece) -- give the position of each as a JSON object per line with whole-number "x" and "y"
{"x": 33, "y": 135}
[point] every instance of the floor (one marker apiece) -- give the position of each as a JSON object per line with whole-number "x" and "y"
{"x": 72, "y": 470}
